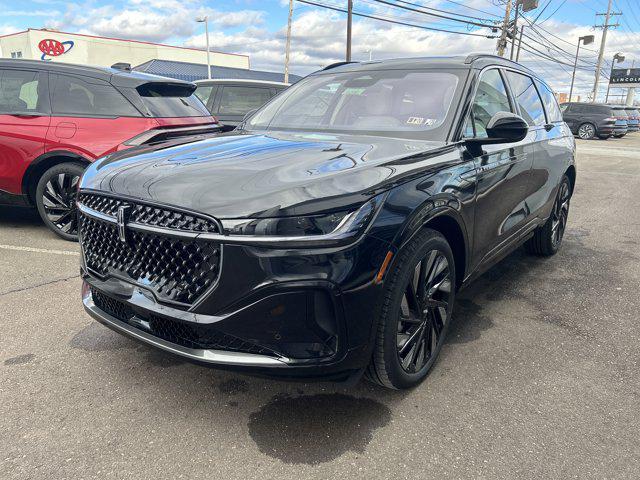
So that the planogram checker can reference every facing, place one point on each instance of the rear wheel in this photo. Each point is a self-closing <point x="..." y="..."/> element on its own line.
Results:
<point x="56" y="199"/>
<point x="586" y="131"/>
<point x="547" y="239"/>
<point x="416" y="312"/>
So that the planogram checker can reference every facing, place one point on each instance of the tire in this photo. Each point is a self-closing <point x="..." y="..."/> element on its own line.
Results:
<point x="55" y="199"/>
<point x="586" y="131"/>
<point x="546" y="240"/>
<point x="405" y="350"/>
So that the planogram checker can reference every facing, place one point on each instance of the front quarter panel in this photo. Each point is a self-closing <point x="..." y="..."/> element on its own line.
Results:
<point x="447" y="190"/>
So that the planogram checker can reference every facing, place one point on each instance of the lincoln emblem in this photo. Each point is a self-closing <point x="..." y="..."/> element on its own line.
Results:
<point x="123" y="216"/>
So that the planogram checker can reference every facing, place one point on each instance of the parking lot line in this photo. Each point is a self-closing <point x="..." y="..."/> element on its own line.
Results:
<point x="38" y="250"/>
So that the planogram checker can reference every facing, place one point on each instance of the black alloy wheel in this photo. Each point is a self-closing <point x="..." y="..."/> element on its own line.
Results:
<point x="424" y="311"/>
<point x="546" y="240"/>
<point x="560" y="214"/>
<point x="416" y="311"/>
<point x="56" y="199"/>
<point x="586" y="131"/>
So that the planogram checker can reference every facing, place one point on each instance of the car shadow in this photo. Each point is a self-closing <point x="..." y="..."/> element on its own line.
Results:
<point x="19" y="217"/>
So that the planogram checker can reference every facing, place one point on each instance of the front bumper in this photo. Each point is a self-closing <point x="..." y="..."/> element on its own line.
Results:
<point x="306" y="313"/>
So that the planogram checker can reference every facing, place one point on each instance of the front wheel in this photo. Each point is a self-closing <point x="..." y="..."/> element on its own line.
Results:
<point x="547" y="239"/>
<point x="416" y="312"/>
<point x="56" y="199"/>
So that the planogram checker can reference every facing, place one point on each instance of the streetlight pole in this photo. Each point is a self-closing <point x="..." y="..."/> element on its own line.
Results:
<point x="205" y="20"/>
<point x="288" y="47"/>
<point x="617" y="58"/>
<point x="586" y="40"/>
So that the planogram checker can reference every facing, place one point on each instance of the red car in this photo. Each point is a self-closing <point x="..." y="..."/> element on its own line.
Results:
<point x="57" y="118"/>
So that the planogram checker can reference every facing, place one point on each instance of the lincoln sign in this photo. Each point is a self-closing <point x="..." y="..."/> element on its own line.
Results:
<point x="625" y="77"/>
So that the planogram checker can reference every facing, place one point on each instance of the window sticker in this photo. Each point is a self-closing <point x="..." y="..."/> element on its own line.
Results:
<point x="421" y="121"/>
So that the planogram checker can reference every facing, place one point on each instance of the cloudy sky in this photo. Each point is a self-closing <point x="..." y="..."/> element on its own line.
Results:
<point x="258" y="27"/>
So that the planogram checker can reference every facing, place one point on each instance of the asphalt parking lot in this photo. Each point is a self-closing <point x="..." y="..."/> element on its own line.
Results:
<point x="540" y="377"/>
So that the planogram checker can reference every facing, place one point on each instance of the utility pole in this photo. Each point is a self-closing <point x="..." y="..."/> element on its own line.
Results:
<point x="349" y="21"/>
<point x="502" y="41"/>
<point x="287" y="51"/>
<point x="515" y="31"/>
<point x="603" y="42"/>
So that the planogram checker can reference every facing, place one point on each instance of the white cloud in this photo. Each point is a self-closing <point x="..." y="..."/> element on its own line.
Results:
<point x="151" y="20"/>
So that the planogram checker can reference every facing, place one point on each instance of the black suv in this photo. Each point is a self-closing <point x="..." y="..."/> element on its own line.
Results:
<point x="328" y="235"/>
<point x="588" y="120"/>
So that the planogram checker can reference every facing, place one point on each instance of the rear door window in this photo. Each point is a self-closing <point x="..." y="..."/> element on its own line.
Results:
<point x="23" y="91"/>
<point x="527" y="98"/>
<point x="491" y="98"/>
<point x="550" y="103"/>
<point x="238" y="100"/>
<point x="90" y="97"/>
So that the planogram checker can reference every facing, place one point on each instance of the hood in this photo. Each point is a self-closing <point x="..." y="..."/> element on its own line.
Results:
<point x="244" y="175"/>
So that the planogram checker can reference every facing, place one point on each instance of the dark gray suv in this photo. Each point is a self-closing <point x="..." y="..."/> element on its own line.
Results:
<point x="588" y="120"/>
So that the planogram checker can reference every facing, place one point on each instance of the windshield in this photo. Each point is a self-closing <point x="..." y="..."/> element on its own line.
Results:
<point x="400" y="103"/>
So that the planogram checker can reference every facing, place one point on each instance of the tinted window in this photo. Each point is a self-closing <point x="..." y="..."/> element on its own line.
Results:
<point x="20" y="91"/>
<point x="88" y="96"/>
<point x="237" y="100"/>
<point x="203" y="92"/>
<point x="527" y="98"/>
<point x="491" y="98"/>
<point x="171" y="100"/>
<point x="550" y="103"/>
<point x="386" y="102"/>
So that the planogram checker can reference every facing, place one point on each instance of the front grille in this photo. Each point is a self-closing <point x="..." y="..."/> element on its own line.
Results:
<point x="152" y="215"/>
<point x="195" y="336"/>
<point x="177" y="270"/>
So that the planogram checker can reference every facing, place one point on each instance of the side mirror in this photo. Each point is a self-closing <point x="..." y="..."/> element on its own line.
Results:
<point x="503" y="127"/>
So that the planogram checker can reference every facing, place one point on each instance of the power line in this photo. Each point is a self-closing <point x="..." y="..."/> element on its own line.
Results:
<point x="421" y="9"/>
<point x="397" y="22"/>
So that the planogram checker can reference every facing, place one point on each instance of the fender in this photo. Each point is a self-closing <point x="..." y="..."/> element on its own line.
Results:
<point x="36" y="167"/>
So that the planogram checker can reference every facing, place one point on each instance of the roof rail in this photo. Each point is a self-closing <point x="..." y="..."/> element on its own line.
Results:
<point x="475" y="56"/>
<point x="337" y="64"/>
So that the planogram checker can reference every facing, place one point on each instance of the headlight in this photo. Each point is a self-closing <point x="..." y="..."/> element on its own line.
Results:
<point x="318" y="230"/>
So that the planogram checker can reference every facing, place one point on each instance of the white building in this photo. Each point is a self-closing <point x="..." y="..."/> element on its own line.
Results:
<point x="56" y="46"/>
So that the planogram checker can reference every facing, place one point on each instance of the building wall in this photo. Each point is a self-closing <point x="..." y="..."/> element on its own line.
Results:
<point x="101" y="51"/>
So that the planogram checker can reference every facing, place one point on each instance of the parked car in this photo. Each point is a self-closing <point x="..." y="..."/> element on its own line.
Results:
<point x="633" y="119"/>
<point x="328" y="235"/>
<point x="231" y="99"/>
<point x="622" y="121"/>
<point x="57" y="118"/>
<point x="588" y="120"/>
